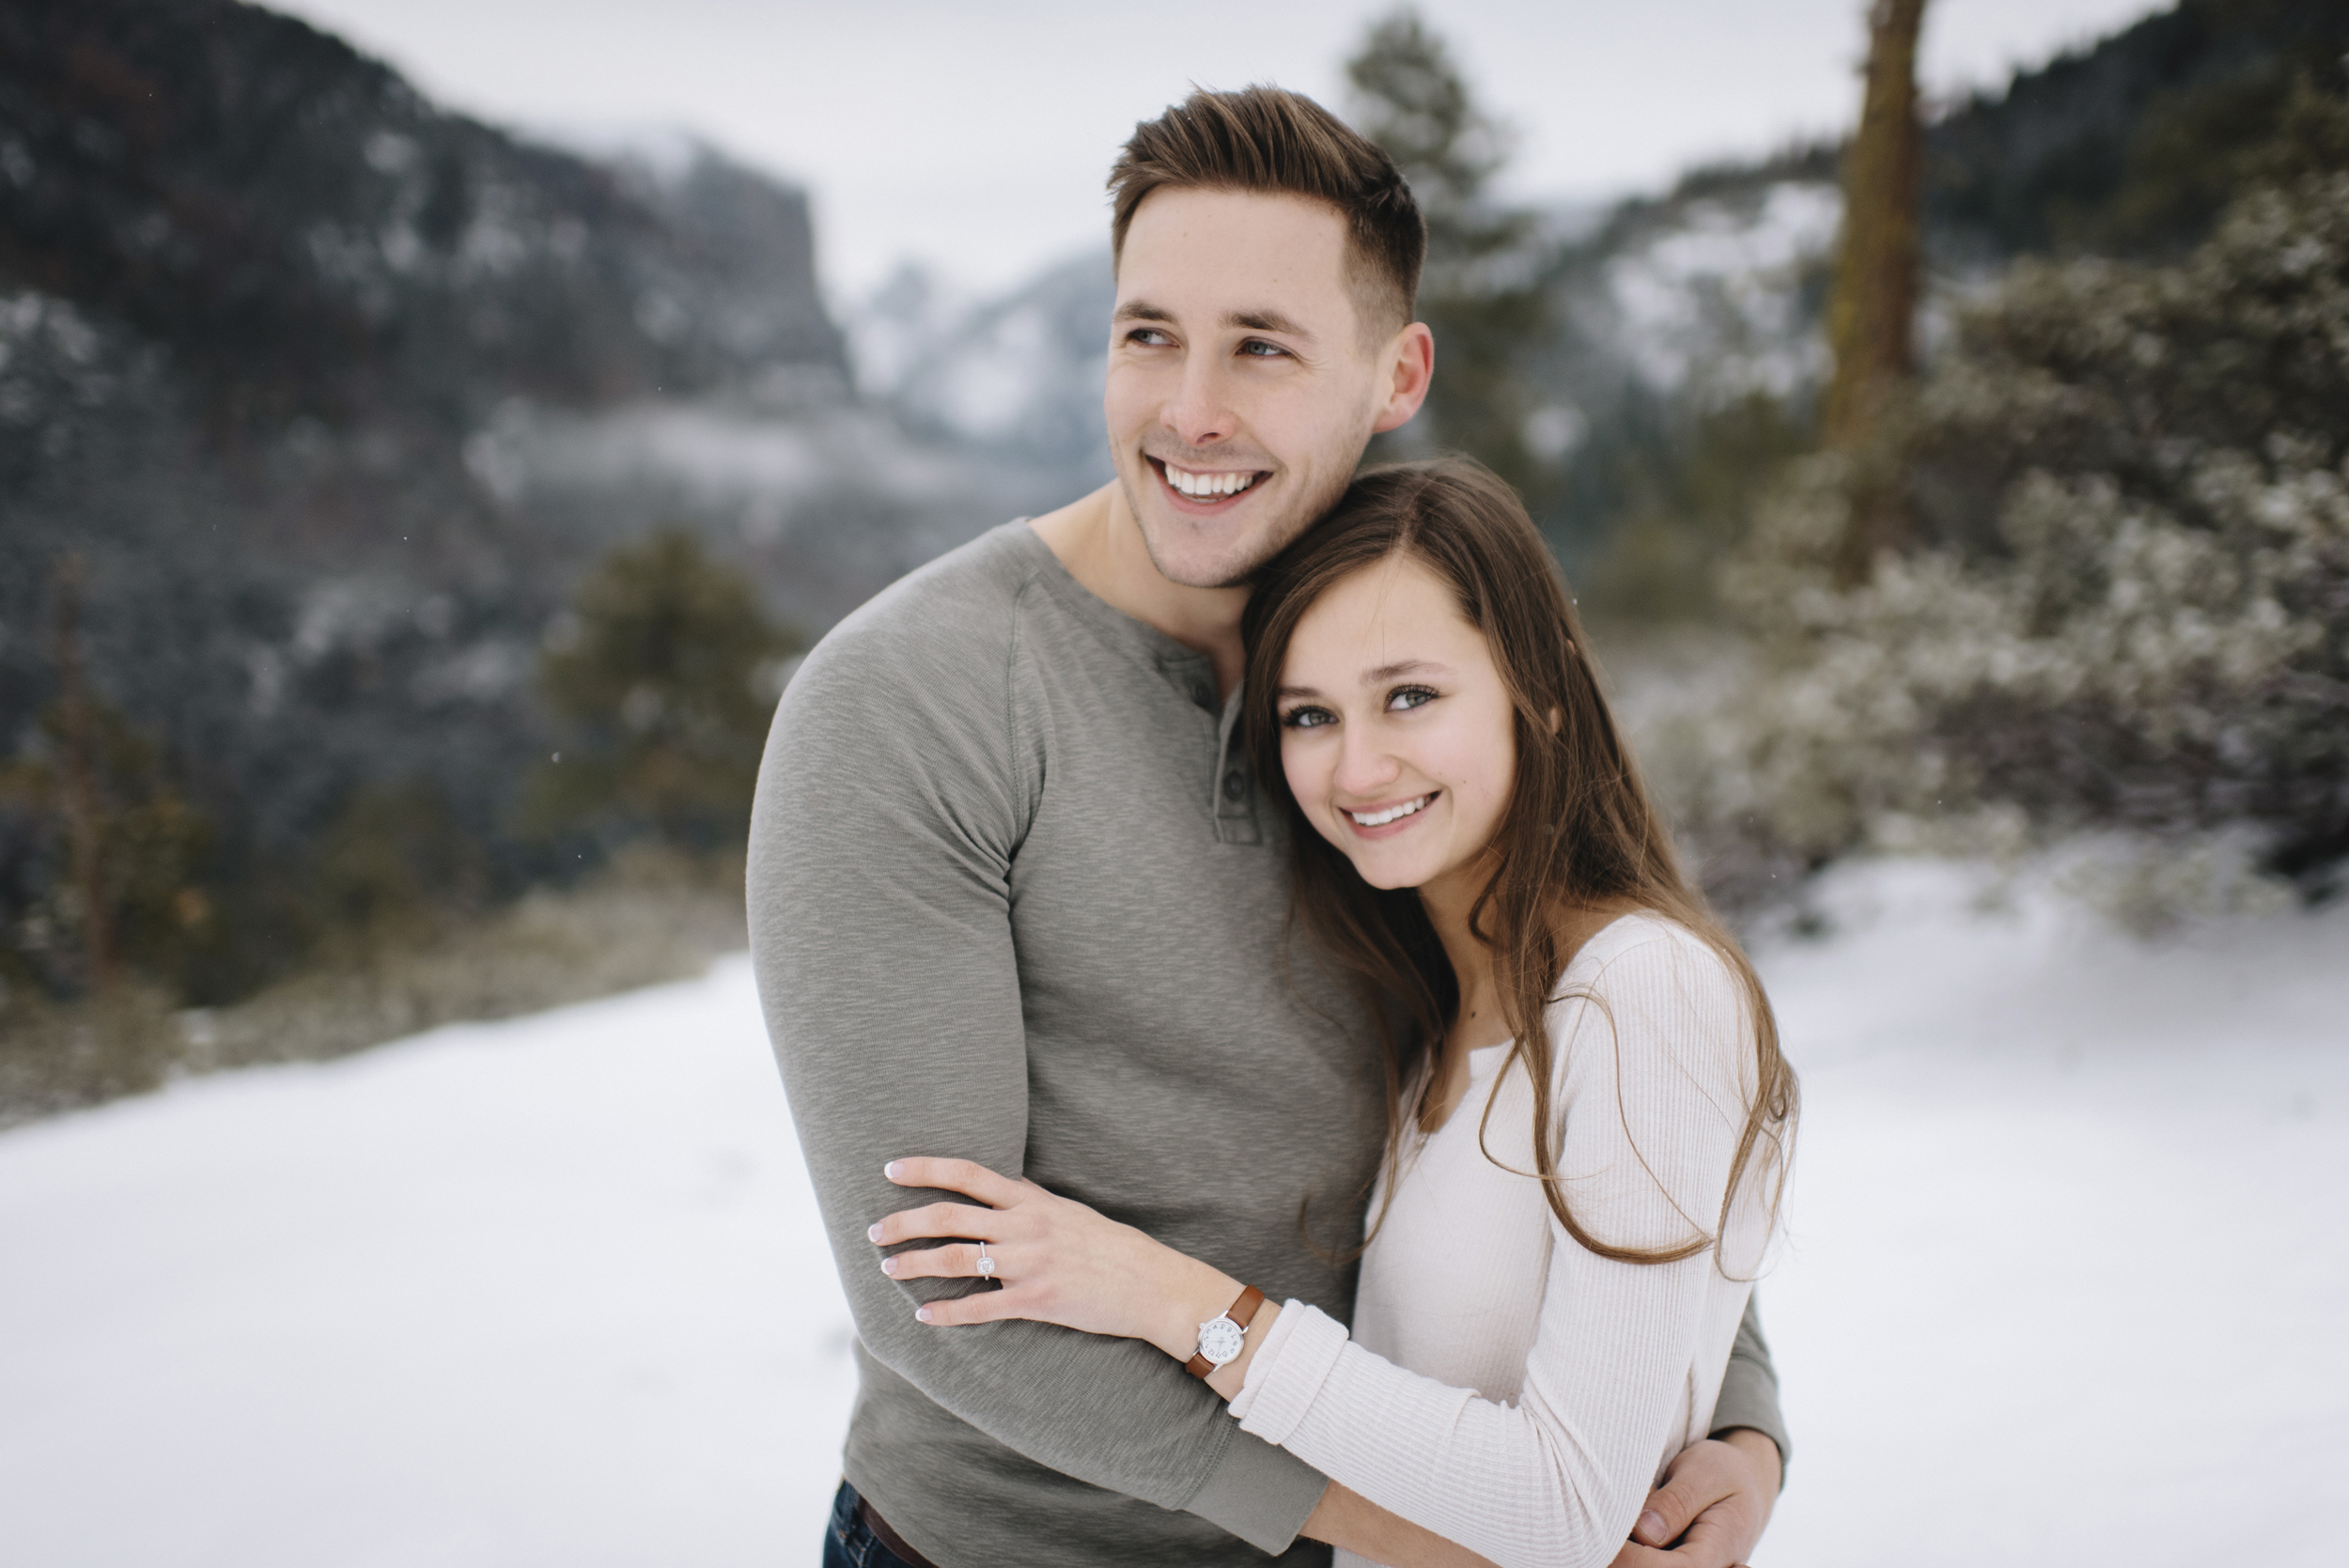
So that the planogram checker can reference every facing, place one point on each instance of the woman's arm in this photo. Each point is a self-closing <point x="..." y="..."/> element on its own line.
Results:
<point x="1653" y="1098"/>
<point x="1059" y="1260"/>
<point x="1056" y="1260"/>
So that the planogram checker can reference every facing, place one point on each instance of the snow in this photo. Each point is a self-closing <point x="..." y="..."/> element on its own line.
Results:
<point x="549" y="1292"/>
<point x="2067" y="1281"/>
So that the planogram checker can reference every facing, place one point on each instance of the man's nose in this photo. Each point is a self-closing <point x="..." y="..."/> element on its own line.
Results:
<point x="1200" y="413"/>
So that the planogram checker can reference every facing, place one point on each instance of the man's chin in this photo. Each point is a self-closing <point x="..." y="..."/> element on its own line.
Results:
<point x="1214" y="553"/>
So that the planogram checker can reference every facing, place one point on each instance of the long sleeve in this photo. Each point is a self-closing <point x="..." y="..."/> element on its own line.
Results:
<point x="1750" y="1389"/>
<point x="896" y="788"/>
<point x="1626" y="1358"/>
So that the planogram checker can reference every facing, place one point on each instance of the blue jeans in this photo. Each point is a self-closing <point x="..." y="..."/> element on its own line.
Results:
<point x="849" y="1542"/>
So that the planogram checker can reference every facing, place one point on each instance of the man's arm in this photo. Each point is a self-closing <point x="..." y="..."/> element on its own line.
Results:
<point x="889" y="806"/>
<point x="1749" y="1397"/>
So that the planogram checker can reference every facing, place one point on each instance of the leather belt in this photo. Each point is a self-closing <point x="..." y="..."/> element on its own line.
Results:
<point x="890" y="1538"/>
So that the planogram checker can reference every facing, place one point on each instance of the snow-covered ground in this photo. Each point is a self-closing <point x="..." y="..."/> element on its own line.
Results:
<point x="2069" y="1283"/>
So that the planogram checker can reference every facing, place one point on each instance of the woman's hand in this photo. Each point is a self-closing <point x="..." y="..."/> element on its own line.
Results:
<point x="1056" y="1259"/>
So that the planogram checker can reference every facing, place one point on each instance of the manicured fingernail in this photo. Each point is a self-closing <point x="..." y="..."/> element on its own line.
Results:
<point x="892" y="1169"/>
<point x="872" y="1232"/>
<point x="889" y="1265"/>
<point x="922" y="1313"/>
<point x="1650" y="1528"/>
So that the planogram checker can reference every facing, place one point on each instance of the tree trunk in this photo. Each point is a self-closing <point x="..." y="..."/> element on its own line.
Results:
<point x="1872" y="313"/>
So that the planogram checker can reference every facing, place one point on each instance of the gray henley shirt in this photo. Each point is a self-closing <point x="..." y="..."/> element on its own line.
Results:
<point x="1014" y="897"/>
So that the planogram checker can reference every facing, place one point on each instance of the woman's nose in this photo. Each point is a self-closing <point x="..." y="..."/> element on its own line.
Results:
<point x="1364" y="767"/>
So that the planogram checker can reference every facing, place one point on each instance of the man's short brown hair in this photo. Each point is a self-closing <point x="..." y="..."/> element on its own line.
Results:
<point x="1270" y="140"/>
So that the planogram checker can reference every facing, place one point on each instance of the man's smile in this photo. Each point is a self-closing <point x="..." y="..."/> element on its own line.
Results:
<point x="1206" y="490"/>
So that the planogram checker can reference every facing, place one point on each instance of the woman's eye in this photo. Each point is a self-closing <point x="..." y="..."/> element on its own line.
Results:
<point x="1307" y="718"/>
<point x="1404" y="698"/>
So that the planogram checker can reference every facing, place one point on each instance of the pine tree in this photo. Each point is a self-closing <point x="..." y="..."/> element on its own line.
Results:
<point x="120" y="855"/>
<point x="663" y="681"/>
<point x="1478" y="292"/>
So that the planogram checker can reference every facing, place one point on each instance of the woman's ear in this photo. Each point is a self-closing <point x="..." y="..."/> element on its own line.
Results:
<point x="1557" y="717"/>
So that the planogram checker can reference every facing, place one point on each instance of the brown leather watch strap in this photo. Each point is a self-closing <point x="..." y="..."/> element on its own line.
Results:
<point x="1242" y="1311"/>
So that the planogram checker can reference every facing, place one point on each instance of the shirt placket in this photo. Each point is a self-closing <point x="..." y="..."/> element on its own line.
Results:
<point x="1234" y="790"/>
<point x="1231" y="790"/>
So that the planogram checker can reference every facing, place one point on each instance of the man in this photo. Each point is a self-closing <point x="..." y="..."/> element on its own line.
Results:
<point x="1014" y="897"/>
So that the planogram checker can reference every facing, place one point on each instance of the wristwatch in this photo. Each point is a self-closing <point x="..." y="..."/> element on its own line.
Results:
<point x="1221" y="1338"/>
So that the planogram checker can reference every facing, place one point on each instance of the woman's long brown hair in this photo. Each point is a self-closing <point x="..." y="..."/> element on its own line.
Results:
<point x="1580" y="833"/>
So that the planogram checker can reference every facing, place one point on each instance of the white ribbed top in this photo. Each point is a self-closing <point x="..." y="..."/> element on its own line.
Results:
<point x="1505" y="1388"/>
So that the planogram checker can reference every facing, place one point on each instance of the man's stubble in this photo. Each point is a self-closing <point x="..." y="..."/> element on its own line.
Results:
<point x="1292" y="525"/>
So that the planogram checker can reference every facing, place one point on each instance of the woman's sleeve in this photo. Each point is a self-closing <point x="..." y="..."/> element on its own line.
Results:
<point x="1653" y="1108"/>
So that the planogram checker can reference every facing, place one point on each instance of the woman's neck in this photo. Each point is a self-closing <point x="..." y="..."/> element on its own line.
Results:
<point x="1449" y="901"/>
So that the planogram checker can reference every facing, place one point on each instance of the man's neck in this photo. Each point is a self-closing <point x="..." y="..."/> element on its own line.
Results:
<point x="1098" y="541"/>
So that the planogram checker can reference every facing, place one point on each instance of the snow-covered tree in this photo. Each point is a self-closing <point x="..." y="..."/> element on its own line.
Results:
<point x="2128" y="605"/>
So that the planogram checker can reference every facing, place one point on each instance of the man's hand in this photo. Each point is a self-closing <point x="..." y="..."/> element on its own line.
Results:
<point x="1711" y="1510"/>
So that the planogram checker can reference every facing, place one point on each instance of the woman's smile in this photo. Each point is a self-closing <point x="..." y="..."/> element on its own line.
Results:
<point x="1387" y="820"/>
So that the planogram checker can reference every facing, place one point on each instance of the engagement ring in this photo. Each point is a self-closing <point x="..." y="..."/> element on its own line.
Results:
<point x="987" y="1265"/>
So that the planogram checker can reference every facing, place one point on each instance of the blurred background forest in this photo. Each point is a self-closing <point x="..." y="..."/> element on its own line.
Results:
<point x="406" y="525"/>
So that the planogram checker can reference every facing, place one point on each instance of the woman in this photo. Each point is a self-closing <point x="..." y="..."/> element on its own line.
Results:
<point x="1590" y="1113"/>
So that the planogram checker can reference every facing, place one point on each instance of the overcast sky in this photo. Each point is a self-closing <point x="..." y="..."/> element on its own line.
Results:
<point x="974" y="136"/>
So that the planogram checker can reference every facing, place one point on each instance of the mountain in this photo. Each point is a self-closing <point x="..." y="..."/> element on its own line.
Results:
<point x="332" y="393"/>
<point x="1017" y="375"/>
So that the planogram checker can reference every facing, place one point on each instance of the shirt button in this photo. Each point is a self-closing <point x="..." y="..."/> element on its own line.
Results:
<point x="1234" y="785"/>
<point x="1201" y="693"/>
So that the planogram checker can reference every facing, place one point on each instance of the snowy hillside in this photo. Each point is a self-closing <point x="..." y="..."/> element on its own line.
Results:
<point x="1015" y="377"/>
<point x="2067" y="1282"/>
<point x="1716" y="296"/>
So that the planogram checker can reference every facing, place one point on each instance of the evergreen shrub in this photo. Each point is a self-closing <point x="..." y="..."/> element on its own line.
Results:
<point x="2122" y="603"/>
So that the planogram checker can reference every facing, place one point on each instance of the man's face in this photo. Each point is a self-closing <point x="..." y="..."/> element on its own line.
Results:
<point x="1241" y="392"/>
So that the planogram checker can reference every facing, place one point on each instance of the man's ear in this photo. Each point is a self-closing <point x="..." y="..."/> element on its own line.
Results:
<point x="1410" y="365"/>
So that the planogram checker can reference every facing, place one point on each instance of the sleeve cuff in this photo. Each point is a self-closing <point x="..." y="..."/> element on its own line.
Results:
<point x="1288" y="1372"/>
<point x="1259" y="1493"/>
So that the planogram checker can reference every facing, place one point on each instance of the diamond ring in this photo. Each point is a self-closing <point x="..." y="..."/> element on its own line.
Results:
<point x="987" y="1265"/>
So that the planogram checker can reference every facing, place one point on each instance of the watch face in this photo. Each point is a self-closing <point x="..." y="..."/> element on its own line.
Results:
<point x="1220" y="1340"/>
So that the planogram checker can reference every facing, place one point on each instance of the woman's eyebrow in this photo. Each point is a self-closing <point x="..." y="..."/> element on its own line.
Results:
<point x="1407" y="667"/>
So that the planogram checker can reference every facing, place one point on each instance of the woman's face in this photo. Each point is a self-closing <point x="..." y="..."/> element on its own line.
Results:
<point x="1397" y="735"/>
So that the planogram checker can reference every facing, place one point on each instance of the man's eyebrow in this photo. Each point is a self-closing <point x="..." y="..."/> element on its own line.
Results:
<point x="1267" y="321"/>
<point x="1142" y="310"/>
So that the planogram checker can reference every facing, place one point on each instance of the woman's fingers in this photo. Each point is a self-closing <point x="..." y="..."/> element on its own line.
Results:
<point x="980" y="1306"/>
<point x="935" y="1219"/>
<point x="956" y="1175"/>
<point x="959" y="1261"/>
